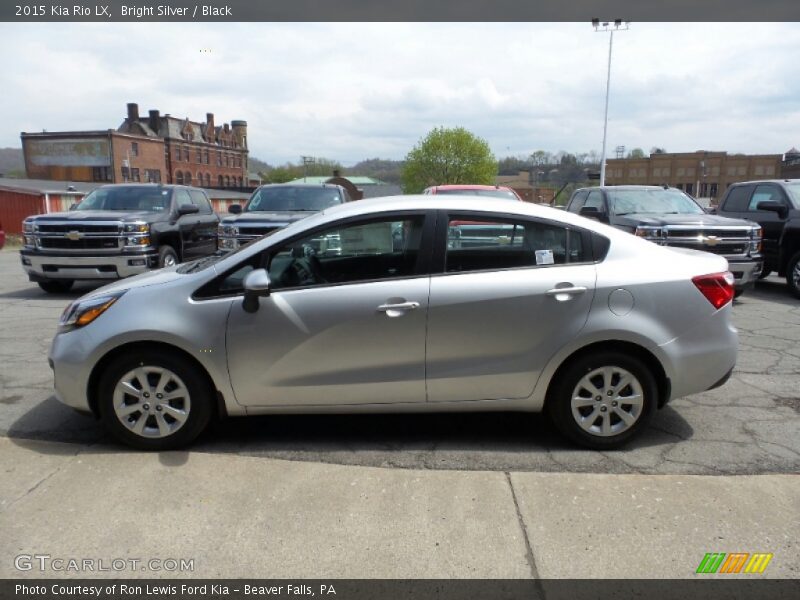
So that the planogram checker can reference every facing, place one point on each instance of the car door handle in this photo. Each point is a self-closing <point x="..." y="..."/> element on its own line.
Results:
<point x="569" y="291"/>
<point x="387" y="308"/>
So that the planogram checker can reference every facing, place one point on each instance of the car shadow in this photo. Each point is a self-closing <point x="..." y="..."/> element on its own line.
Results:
<point x="494" y="441"/>
<point x="36" y="293"/>
<point x="772" y="289"/>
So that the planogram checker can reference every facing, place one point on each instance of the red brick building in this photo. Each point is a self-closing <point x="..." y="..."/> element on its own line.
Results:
<point x="152" y="149"/>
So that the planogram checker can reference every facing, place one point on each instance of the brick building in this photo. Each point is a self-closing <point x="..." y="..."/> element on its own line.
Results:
<point x="156" y="148"/>
<point x="702" y="174"/>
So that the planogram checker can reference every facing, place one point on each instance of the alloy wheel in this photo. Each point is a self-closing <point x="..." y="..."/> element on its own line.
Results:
<point x="607" y="401"/>
<point x="152" y="402"/>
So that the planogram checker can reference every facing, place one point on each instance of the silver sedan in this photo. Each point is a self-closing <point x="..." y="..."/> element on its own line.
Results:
<point x="405" y="304"/>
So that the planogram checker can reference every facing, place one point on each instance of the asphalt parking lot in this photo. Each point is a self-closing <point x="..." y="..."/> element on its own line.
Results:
<point x="749" y="426"/>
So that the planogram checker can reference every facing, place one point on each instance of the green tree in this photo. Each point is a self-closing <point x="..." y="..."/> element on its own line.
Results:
<point x="447" y="156"/>
<point x="636" y="153"/>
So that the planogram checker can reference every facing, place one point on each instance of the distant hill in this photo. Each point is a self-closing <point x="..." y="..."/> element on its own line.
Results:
<point x="385" y="170"/>
<point x="11" y="162"/>
<point x="257" y="166"/>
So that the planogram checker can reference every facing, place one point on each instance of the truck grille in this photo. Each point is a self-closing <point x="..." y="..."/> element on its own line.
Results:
<point x="78" y="236"/>
<point x="726" y="242"/>
<point x="247" y="234"/>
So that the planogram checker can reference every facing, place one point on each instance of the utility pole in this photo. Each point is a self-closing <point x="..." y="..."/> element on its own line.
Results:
<point x="606" y="27"/>
<point x="307" y="160"/>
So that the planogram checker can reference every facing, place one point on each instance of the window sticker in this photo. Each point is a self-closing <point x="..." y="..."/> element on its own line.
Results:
<point x="544" y="257"/>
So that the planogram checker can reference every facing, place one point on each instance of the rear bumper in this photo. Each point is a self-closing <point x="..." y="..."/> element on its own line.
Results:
<point x="43" y="267"/>
<point x="745" y="273"/>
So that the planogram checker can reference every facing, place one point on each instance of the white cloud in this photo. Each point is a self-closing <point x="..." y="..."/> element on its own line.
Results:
<point x="358" y="90"/>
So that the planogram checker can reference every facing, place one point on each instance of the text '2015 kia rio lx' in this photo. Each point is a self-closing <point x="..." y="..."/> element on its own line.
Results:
<point x="379" y="306"/>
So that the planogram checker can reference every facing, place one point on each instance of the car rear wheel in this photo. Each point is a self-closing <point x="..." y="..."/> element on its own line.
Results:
<point x="793" y="275"/>
<point x="56" y="287"/>
<point x="154" y="400"/>
<point x="601" y="401"/>
<point x="167" y="257"/>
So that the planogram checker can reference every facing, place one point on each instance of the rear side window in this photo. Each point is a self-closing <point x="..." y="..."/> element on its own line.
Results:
<point x="738" y="197"/>
<point x="491" y="244"/>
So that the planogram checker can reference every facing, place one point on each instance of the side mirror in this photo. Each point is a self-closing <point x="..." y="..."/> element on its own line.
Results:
<point x="188" y="209"/>
<point x="73" y="206"/>
<point x="256" y="285"/>
<point x="772" y="206"/>
<point x="591" y="212"/>
<point x="235" y="209"/>
<point x="710" y="210"/>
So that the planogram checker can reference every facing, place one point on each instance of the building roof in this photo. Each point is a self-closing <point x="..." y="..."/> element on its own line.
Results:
<point x="47" y="186"/>
<point x="385" y="189"/>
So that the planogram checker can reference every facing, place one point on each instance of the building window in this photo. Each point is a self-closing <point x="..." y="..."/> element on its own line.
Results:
<point x="679" y="186"/>
<point x="178" y="177"/>
<point x="741" y="170"/>
<point x="769" y="170"/>
<point x="219" y="181"/>
<point x="731" y="171"/>
<point x="688" y="188"/>
<point x="177" y="153"/>
<point x="681" y="171"/>
<point x="135" y="174"/>
<point x="712" y="192"/>
<point x="152" y="176"/>
<point x="240" y="182"/>
<point x="205" y="156"/>
<point x="187" y="178"/>
<point x="219" y="158"/>
<point x="208" y="180"/>
<point x="134" y="149"/>
<point x="101" y="174"/>
<point x="227" y="181"/>
<point x="759" y="170"/>
<point x="199" y="178"/>
<point x="126" y="174"/>
<point x="186" y="153"/>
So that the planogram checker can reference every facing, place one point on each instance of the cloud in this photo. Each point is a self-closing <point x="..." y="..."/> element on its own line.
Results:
<point x="349" y="91"/>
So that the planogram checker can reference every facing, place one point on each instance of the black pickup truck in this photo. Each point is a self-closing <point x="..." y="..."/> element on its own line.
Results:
<point x="117" y="231"/>
<point x="274" y="206"/>
<point x="775" y="205"/>
<point x="669" y="217"/>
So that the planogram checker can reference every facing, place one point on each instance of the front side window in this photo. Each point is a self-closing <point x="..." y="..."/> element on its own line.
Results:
<point x="200" y="200"/>
<point x="491" y="244"/>
<point x="765" y="193"/>
<point x="355" y="252"/>
<point x="595" y="200"/>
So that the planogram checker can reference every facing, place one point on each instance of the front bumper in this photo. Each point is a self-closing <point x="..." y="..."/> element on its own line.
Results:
<point x="745" y="272"/>
<point x="44" y="267"/>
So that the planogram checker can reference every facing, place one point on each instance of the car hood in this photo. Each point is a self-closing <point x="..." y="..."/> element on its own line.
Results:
<point x="157" y="277"/>
<point x="257" y="217"/>
<point x="699" y="220"/>
<point x="97" y="215"/>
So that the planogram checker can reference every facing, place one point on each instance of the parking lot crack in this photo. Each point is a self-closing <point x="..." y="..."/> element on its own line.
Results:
<point x="528" y="546"/>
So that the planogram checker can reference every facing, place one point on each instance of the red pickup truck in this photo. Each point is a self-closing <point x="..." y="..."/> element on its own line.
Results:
<point x="474" y="190"/>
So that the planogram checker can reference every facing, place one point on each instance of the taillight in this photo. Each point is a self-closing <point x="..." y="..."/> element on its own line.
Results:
<point x="717" y="287"/>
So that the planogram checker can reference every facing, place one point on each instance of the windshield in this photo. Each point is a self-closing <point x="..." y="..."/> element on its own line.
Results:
<point x="658" y="201"/>
<point x="495" y="193"/>
<point x="310" y="198"/>
<point x="794" y="190"/>
<point x="127" y="198"/>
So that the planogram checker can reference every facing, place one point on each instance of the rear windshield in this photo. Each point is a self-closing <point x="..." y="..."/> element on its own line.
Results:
<point x="660" y="201"/>
<point x="495" y="193"/>
<point x="300" y="198"/>
<point x="127" y="198"/>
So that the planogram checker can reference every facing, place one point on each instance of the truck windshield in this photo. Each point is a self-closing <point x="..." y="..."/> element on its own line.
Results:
<point x="496" y="193"/>
<point x="659" y="201"/>
<point x="127" y="198"/>
<point x="288" y="198"/>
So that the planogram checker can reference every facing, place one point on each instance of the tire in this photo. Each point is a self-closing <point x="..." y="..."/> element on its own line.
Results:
<point x="793" y="275"/>
<point x="142" y="420"/>
<point x="167" y="257"/>
<point x="56" y="286"/>
<point x="574" y="381"/>
<point x="737" y="293"/>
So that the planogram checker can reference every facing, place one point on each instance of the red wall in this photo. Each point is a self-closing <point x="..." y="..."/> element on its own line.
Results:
<point x="14" y="207"/>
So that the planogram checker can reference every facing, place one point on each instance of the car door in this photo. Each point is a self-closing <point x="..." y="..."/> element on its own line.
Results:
<point x="207" y="221"/>
<point x="500" y="310"/>
<point x="772" y="223"/>
<point x="188" y="227"/>
<point x="344" y="323"/>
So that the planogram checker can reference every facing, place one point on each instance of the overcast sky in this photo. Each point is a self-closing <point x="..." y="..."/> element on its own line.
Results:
<point x="353" y="91"/>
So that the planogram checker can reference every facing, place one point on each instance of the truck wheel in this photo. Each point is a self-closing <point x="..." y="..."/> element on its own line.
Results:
<point x="154" y="400"/>
<point x="56" y="286"/>
<point x="167" y="257"/>
<point x="602" y="400"/>
<point x="793" y="275"/>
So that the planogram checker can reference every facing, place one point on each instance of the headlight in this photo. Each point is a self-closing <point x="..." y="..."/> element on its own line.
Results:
<point x="227" y="230"/>
<point x="28" y="227"/>
<point x="652" y="234"/>
<point x="137" y="234"/>
<point x="82" y="312"/>
<point x="228" y="243"/>
<point x="137" y="228"/>
<point x="756" y="238"/>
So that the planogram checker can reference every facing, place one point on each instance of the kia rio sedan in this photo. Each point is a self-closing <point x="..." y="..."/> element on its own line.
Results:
<point x="377" y="306"/>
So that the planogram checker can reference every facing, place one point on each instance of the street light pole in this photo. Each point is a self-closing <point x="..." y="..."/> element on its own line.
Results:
<point x="618" y="26"/>
<point x="307" y="160"/>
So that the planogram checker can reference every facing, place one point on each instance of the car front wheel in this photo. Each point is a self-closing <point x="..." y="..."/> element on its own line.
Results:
<point x="601" y="401"/>
<point x="152" y="400"/>
<point x="793" y="275"/>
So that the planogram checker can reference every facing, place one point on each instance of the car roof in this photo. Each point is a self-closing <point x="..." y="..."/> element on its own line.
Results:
<point x="299" y="185"/>
<point x="625" y="187"/>
<point x="467" y="186"/>
<point x="766" y="181"/>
